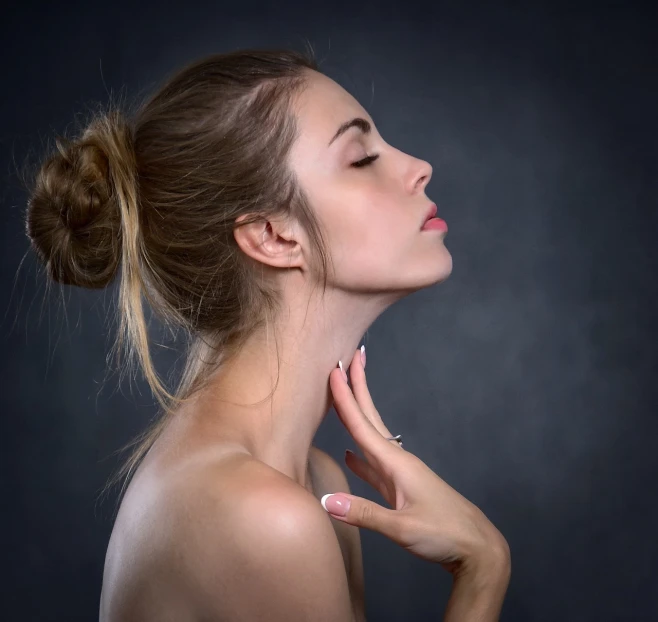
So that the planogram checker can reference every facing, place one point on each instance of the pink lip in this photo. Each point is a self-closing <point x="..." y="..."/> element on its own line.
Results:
<point x="431" y="213"/>
<point x="437" y="224"/>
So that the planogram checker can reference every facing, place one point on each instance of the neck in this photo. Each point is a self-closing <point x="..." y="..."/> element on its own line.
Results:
<point x="279" y="431"/>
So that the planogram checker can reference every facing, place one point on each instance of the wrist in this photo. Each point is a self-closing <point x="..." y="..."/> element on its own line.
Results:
<point x="478" y="592"/>
<point x="490" y="570"/>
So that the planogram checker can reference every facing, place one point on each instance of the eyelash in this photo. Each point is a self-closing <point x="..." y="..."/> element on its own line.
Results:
<point x="365" y="161"/>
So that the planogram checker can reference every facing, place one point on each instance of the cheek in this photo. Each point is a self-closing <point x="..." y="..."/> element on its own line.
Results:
<point x="372" y="238"/>
<point x="385" y="225"/>
<point x="369" y="222"/>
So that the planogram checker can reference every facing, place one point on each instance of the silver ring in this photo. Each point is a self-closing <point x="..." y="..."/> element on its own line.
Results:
<point x="396" y="438"/>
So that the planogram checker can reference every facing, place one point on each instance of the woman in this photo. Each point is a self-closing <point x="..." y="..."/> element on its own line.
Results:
<point x="226" y="199"/>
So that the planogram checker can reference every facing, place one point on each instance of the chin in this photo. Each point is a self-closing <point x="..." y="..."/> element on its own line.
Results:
<point x="442" y="270"/>
<point x="428" y="279"/>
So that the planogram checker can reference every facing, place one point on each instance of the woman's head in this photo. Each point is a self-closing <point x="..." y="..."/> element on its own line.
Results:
<point x="176" y="195"/>
<point x="368" y="196"/>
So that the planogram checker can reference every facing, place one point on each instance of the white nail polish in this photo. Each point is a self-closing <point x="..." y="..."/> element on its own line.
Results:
<point x="323" y="498"/>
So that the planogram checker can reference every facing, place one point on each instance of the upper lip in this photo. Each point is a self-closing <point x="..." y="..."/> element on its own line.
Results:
<point x="431" y="212"/>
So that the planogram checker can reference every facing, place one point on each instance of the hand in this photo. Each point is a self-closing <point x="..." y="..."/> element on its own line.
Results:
<point x="429" y="518"/>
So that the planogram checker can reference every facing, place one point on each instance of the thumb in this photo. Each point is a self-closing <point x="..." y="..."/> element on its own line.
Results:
<point x="360" y="512"/>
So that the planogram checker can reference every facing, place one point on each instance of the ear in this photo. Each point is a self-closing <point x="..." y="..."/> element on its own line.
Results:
<point x="272" y="241"/>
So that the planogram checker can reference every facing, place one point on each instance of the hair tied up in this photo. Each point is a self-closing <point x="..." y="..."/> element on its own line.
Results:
<point x="159" y="200"/>
<point x="74" y="218"/>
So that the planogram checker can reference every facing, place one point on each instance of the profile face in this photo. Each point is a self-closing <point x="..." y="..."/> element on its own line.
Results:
<point x="372" y="214"/>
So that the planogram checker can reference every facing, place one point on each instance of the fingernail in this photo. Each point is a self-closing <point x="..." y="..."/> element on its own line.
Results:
<point x="363" y="356"/>
<point x="340" y="364"/>
<point x="336" y="504"/>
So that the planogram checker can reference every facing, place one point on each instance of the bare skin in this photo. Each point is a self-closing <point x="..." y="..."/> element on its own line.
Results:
<point x="181" y="461"/>
<point x="372" y="217"/>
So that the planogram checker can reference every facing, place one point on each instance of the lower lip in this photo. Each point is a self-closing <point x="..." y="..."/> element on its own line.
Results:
<point x="437" y="224"/>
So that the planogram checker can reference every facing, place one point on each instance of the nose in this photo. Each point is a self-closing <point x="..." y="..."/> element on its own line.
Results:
<point x="422" y="173"/>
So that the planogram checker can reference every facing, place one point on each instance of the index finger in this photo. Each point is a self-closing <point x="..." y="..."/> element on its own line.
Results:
<point x="367" y="437"/>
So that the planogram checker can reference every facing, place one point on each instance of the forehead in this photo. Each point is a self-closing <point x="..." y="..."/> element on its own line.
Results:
<point x="321" y="108"/>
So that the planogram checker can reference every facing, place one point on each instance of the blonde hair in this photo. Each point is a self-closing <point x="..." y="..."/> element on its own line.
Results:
<point x="155" y="195"/>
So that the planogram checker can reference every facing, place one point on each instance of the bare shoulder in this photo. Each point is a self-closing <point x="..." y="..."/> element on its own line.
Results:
<point x="252" y="545"/>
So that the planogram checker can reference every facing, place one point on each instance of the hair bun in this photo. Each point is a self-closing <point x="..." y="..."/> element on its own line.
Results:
<point x="73" y="216"/>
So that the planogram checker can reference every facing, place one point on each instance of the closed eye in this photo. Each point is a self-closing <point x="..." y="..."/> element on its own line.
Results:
<point x="365" y="161"/>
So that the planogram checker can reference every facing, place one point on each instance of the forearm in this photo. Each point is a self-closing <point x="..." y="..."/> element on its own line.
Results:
<point x="478" y="597"/>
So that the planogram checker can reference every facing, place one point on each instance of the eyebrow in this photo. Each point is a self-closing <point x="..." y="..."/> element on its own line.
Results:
<point x="362" y="124"/>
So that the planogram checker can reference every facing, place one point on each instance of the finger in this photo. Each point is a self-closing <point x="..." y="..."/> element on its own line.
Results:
<point x="367" y="437"/>
<point x="363" y="397"/>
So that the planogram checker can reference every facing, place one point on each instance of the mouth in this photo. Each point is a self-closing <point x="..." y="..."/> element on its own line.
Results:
<point x="431" y="213"/>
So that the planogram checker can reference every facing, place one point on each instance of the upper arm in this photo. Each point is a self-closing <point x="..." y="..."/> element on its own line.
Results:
<point x="272" y="555"/>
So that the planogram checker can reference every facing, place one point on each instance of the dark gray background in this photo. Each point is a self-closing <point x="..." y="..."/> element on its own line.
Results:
<point x="526" y="380"/>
